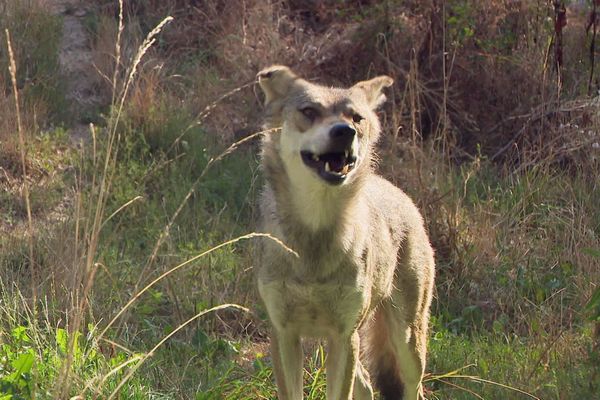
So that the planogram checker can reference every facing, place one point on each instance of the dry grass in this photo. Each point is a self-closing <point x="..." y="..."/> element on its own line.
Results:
<point x="25" y="68"/>
<point x="10" y="155"/>
<point x="22" y="151"/>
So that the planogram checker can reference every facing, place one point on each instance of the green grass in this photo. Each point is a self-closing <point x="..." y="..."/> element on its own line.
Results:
<point x="34" y="354"/>
<point x="537" y="365"/>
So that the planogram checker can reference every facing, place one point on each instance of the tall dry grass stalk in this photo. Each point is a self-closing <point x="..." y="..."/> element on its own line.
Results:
<point x="13" y="76"/>
<point x="100" y="191"/>
<point x="117" y="53"/>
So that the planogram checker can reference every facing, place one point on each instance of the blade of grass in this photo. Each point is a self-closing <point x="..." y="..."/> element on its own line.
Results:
<point x="118" y="210"/>
<point x="207" y="110"/>
<point x="163" y="340"/>
<point x="320" y="356"/>
<point x="430" y="377"/>
<point x="12" y="68"/>
<point x="487" y="381"/>
<point x="454" y="385"/>
<point x="97" y="383"/>
<point x="183" y="264"/>
<point x="165" y="232"/>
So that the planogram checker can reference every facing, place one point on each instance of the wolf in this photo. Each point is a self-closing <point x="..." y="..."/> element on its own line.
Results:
<point x="363" y="280"/>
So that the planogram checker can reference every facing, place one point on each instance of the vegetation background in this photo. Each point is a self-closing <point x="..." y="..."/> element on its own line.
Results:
<point x="125" y="206"/>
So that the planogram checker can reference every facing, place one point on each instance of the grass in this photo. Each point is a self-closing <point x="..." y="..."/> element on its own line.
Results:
<point x="36" y="48"/>
<point x="32" y="356"/>
<point x="157" y="191"/>
<point x="536" y="365"/>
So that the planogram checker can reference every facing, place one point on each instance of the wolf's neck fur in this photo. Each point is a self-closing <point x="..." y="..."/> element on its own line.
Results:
<point x="320" y="206"/>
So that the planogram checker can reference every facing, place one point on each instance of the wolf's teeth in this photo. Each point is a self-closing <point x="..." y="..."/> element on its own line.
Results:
<point x="315" y="157"/>
<point x="327" y="167"/>
<point x="345" y="170"/>
<point x="346" y="153"/>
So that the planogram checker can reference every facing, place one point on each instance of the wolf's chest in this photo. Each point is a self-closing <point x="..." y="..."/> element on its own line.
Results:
<point x="314" y="309"/>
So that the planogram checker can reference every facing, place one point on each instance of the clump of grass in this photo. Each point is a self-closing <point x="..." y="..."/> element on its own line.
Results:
<point x="33" y="352"/>
<point x="503" y="366"/>
<point x="36" y="38"/>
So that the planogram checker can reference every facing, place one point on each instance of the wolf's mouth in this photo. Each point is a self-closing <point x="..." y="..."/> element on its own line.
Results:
<point x="332" y="167"/>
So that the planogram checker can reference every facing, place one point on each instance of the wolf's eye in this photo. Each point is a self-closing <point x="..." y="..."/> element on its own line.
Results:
<point x="309" y="113"/>
<point x="357" y="118"/>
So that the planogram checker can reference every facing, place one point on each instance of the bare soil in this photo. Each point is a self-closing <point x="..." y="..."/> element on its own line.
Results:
<point x="76" y="64"/>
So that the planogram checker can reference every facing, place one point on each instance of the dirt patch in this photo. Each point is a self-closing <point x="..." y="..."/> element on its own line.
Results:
<point x="76" y="65"/>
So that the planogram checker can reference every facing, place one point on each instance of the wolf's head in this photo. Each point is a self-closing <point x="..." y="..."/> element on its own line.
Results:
<point x="327" y="133"/>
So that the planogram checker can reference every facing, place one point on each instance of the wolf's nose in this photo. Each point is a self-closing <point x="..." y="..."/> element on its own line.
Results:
<point x="342" y="133"/>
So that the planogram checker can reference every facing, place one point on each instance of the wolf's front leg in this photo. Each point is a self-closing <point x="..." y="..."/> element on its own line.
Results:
<point x="342" y="362"/>
<point x="286" y="351"/>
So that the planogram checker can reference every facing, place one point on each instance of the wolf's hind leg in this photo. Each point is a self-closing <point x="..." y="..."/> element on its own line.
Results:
<point x="362" y="385"/>
<point x="408" y="345"/>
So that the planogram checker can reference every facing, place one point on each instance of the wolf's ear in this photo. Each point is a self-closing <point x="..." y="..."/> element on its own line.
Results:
<point x="373" y="89"/>
<point x="276" y="81"/>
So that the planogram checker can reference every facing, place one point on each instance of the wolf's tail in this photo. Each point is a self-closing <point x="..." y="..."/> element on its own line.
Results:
<point x="387" y="381"/>
<point x="393" y="354"/>
<point x="380" y="357"/>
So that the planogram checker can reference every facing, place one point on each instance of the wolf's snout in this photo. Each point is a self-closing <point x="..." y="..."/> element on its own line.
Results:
<point x="342" y="135"/>
<point x="338" y="159"/>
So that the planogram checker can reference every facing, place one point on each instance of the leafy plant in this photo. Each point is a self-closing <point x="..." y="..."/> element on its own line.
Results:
<point x="16" y="365"/>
